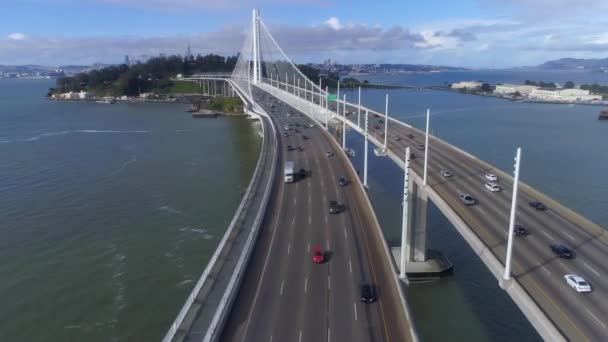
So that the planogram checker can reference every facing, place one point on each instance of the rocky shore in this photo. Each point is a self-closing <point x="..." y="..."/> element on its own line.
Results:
<point x="603" y="115"/>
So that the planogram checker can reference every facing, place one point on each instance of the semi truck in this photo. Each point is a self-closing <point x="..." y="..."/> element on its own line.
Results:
<point x="289" y="171"/>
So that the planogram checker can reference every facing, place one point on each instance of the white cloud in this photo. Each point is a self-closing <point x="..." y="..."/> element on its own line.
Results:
<point x="334" y="23"/>
<point x="17" y="36"/>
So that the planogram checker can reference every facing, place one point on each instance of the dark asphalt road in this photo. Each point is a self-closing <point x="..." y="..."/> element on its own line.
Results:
<point x="284" y="295"/>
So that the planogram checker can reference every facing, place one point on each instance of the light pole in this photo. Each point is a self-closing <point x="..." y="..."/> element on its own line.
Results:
<point x="326" y="108"/>
<point x="359" y="110"/>
<point x="426" y="144"/>
<point x="385" y="122"/>
<point x="344" y="123"/>
<point x="507" y="274"/>
<point x="365" y="152"/>
<point x="406" y="176"/>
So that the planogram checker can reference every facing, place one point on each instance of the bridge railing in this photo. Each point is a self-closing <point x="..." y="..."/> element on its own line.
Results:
<point x="210" y="75"/>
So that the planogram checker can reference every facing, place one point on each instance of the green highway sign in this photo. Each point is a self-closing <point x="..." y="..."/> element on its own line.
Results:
<point x="332" y="97"/>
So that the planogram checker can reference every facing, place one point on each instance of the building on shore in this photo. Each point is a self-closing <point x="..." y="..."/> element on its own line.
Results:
<point x="466" y="85"/>
<point x="85" y="95"/>
<point x="564" y="95"/>
<point x="506" y="89"/>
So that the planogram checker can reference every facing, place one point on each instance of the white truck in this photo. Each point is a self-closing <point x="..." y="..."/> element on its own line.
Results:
<point x="289" y="171"/>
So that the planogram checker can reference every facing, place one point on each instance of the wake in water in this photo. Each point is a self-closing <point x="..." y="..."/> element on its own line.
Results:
<point x="124" y="165"/>
<point x="81" y="131"/>
<point x="170" y="210"/>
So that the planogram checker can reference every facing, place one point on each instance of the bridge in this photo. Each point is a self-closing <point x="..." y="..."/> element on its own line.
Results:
<point x="275" y="292"/>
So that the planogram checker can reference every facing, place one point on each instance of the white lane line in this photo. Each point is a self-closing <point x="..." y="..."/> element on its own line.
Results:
<point x="327" y="244"/>
<point x="305" y="284"/>
<point x="293" y="219"/>
<point x="328" y="334"/>
<point x="592" y="270"/>
<point x="308" y="248"/>
<point x="270" y="338"/>
<point x="596" y="319"/>
<point x="309" y="199"/>
<point x="309" y="219"/>
<point x="325" y="219"/>
<point x="345" y="234"/>
<point x="329" y="283"/>
<point x="350" y="266"/>
<point x="282" y="284"/>
<point x="549" y="236"/>
<point x="546" y="270"/>
<point x="288" y="248"/>
<point x="300" y="338"/>
<point x="569" y="236"/>
<point x="355" y="306"/>
<point x="294" y="201"/>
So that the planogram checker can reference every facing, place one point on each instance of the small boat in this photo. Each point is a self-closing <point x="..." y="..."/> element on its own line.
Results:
<point x="106" y="100"/>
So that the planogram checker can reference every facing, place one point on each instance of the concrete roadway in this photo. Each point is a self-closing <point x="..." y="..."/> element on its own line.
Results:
<point x="580" y="317"/>
<point x="285" y="296"/>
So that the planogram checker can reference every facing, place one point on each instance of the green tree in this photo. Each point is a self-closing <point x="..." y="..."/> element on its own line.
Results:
<point x="569" y="85"/>
<point x="486" y="87"/>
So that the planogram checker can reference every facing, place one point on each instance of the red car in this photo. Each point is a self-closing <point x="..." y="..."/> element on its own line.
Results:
<point x="318" y="257"/>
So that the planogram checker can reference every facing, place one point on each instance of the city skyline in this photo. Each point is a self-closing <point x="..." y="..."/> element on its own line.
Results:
<point x="472" y="34"/>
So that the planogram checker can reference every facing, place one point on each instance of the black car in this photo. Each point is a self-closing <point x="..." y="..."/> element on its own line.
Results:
<point x="520" y="230"/>
<point x="562" y="251"/>
<point x="302" y="173"/>
<point x="411" y="136"/>
<point x="335" y="207"/>
<point x="537" y="205"/>
<point x="342" y="181"/>
<point x="289" y="148"/>
<point x="304" y="137"/>
<point x="368" y="293"/>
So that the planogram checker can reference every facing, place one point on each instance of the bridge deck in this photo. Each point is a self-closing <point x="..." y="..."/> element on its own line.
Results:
<point x="285" y="296"/>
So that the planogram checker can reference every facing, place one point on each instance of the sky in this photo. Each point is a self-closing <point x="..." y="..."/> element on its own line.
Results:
<point x="466" y="33"/>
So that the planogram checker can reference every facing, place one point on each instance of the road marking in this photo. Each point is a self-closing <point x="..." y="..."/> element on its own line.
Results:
<point x="350" y="266"/>
<point x="326" y="219"/>
<point x="328" y="334"/>
<point x="288" y="248"/>
<point x="592" y="270"/>
<point x="282" y="283"/>
<point x="546" y="270"/>
<point x="596" y="319"/>
<point x="300" y="338"/>
<point x="295" y="201"/>
<point x="270" y="338"/>
<point x="305" y="284"/>
<point x="570" y="236"/>
<point x="308" y="248"/>
<point x="355" y="306"/>
<point x="345" y="234"/>
<point x="293" y="219"/>
<point x="549" y="236"/>
<point x="309" y="219"/>
<point x="329" y="283"/>
<point x="327" y="244"/>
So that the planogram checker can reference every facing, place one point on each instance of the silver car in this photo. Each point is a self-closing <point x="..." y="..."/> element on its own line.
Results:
<point x="467" y="199"/>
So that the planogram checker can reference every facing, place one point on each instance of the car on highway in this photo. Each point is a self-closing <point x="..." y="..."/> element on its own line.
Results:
<point x="335" y="207"/>
<point x="520" y="230"/>
<point x="491" y="177"/>
<point x="493" y="187"/>
<point x="304" y="137"/>
<point x="577" y="282"/>
<point x="289" y="148"/>
<point x="329" y="153"/>
<point x="287" y="128"/>
<point x="397" y="138"/>
<point x="381" y="121"/>
<point x="311" y="125"/>
<point x="420" y="147"/>
<point x="444" y="173"/>
<point x="410" y="135"/>
<point x="288" y="115"/>
<point x="318" y="257"/>
<point x="285" y="134"/>
<point x="562" y="251"/>
<point x="302" y="173"/>
<point x="537" y="205"/>
<point x="343" y="181"/>
<point x="368" y="293"/>
<point x="467" y="199"/>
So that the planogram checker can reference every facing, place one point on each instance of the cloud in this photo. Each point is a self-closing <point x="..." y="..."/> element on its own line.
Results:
<point x="16" y="36"/>
<point x="181" y="5"/>
<point x="334" y="23"/>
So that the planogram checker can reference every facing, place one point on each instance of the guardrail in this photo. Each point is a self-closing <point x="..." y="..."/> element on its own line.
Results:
<point x="202" y="279"/>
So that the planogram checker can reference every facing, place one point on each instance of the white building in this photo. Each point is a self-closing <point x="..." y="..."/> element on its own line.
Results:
<point x="466" y="85"/>
<point x="83" y="95"/>
<point x="565" y="95"/>
<point x="514" y="88"/>
<point x="69" y="96"/>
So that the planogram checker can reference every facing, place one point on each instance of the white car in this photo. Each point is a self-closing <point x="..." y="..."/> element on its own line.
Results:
<point x="311" y="125"/>
<point x="492" y="187"/>
<point x="491" y="177"/>
<point x="577" y="283"/>
<point x="329" y="153"/>
<point x="446" y="173"/>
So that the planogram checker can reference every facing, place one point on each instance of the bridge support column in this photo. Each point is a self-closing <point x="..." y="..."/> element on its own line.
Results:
<point x="415" y="248"/>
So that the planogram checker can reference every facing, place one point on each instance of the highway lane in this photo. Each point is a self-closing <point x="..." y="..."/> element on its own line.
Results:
<point x="579" y="316"/>
<point x="285" y="297"/>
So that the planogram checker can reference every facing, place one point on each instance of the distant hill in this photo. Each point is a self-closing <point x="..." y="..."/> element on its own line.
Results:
<point x="575" y="63"/>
